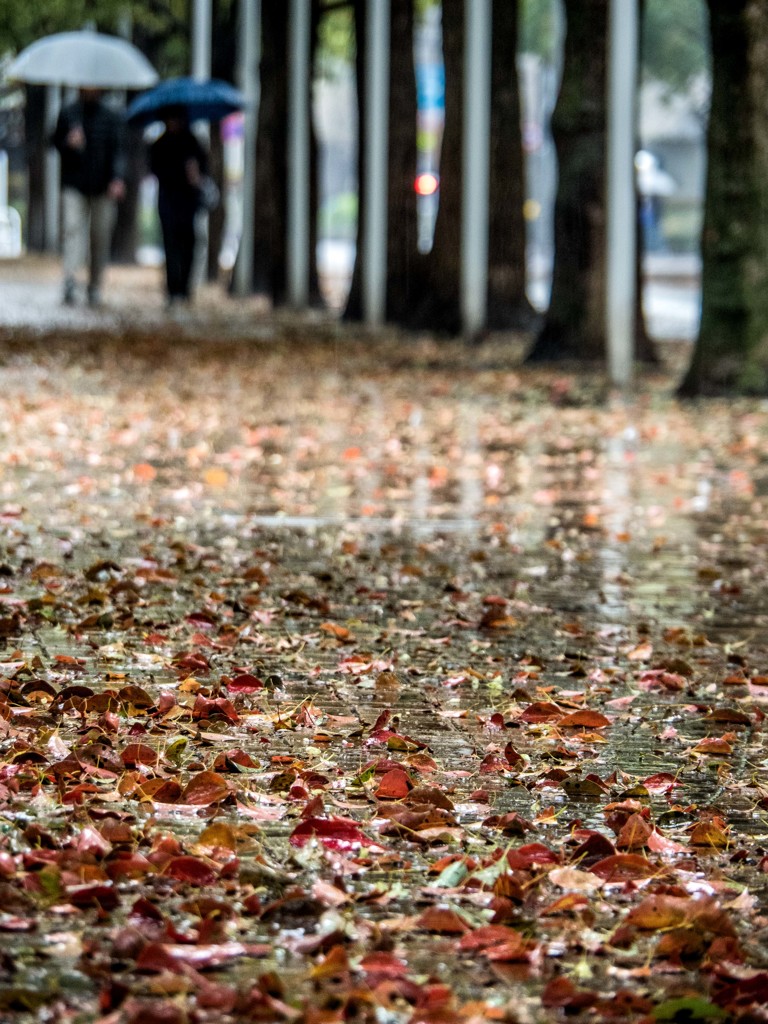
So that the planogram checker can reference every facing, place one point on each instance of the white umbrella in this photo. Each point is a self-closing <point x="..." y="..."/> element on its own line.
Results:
<point x="84" y="59"/>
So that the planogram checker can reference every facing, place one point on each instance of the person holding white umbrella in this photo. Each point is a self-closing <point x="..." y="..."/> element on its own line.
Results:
<point x="89" y="137"/>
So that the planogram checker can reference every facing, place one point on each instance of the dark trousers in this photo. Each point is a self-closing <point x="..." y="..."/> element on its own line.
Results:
<point x="178" y="224"/>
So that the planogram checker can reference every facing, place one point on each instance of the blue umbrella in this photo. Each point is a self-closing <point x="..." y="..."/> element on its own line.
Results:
<point x="203" y="101"/>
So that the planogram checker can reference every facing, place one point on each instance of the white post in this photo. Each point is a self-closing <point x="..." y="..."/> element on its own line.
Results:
<point x="475" y="165"/>
<point x="248" y="80"/>
<point x="620" y="201"/>
<point x="3" y="179"/>
<point x="201" y="39"/>
<point x="201" y="70"/>
<point x="51" y="181"/>
<point x="298" y="154"/>
<point x="377" y="145"/>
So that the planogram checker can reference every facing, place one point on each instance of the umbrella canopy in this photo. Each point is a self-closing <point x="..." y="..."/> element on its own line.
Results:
<point x="83" y="59"/>
<point x="203" y="101"/>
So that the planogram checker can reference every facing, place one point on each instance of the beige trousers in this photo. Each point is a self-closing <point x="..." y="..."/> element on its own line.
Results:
<point x="87" y="223"/>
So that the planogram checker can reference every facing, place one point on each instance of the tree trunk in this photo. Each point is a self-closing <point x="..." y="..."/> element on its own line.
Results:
<point x="315" y="295"/>
<point x="125" y="240"/>
<point x="404" y="262"/>
<point x="440" y="305"/>
<point x="36" y="139"/>
<point x="508" y="305"/>
<point x="574" y="327"/>
<point x="354" y="307"/>
<point x="645" y="350"/>
<point x="270" y="216"/>
<point x="731" y="351"/>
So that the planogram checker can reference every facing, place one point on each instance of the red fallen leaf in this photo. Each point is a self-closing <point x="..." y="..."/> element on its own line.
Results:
<point x="511" y="824"/>
<point x="730" y="715"/>
<point x="67" y="659"/>
<point x="191" y="663"/>
<point x="125" y="864"/>
<point x="657" y="843"/>
<point x="77" y="794"/>
<point x="102" y="896"/>
<point x="593" y="848"/>
<point x="228" y="760"/>
<point x="205" y="707"/>
<point x="192" y="870"/>
<point x="635" y="833"/>
<point x="624" y="867"/>
<point x="384" y="965"/>
<point x="382" y="721"/>
<point x="245" y="683"/>
<point x="561" y="992"/>
<point x="540" y="711"/>
<point x="713" y="745"/>
<point x="531" y="854"/>
<point x="138" y="753"/>
<point x="662" y="782"/>
<point x="166" y="956"/>
<point x="339" y="632"/>
<point x="135" y="695"/>
<point x="664" y="912"/>
<point x="618" y="813"/>
<point x="642" y="652"/>
<point x="204" y="789"/>
<point x="493" y="763"/>
<point x="334" y="964"/>
<point x="571" y="901"/>
<point x="394" y="785"/>
<point x="430" y="795"/>
<point x="161" y="791"/>
<point x="512" y="755"/>
<point x="485" y="936"/>
<point x="584" y="719"/>
<point x="709" y="833"/>
<point x="335" y="833"/>
<point x="442" y="920"/>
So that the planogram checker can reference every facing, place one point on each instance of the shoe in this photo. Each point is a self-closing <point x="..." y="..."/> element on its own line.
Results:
<point x="94" y="298"/>
<point x="69" y="292"/>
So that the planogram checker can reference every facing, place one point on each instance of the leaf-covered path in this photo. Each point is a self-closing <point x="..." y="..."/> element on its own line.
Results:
<point x="345" y="681"/>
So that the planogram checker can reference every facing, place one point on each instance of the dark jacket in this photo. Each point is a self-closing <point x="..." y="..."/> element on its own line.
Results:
<point x="168" y="158"/>
<point x="90" y="170"/>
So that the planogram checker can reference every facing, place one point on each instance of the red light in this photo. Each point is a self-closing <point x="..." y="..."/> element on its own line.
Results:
<point x="426" y="184"/>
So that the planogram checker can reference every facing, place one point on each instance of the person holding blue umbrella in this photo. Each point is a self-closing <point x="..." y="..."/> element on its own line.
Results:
<point x="180" y="165"/>
<point x="179" y="162"/>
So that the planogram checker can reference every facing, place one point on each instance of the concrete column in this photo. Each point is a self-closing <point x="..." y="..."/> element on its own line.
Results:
<point x="249" y="46"/>
<point x="621" y="211"/>
<point x="298" y="154"/>
<point x="377" y="146"/>
<point x="475" y="165"/>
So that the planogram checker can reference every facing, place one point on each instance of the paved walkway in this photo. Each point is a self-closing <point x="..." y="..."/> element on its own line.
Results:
<point x="30" y="297"/>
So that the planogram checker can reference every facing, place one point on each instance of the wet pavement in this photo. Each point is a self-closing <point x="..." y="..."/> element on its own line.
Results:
<point x="277" y="567"/>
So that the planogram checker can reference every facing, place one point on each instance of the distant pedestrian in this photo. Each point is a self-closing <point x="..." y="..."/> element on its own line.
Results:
<point x="179" y="162"/>
<point x="90" y="138"/>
